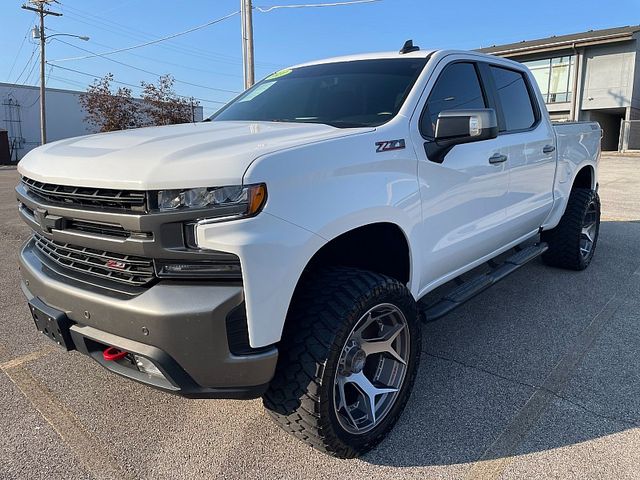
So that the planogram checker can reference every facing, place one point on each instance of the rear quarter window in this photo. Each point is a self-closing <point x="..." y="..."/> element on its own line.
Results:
<point x="515" y="99"/>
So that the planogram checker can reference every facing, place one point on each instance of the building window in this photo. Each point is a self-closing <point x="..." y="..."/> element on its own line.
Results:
<point x="554" y="77"/>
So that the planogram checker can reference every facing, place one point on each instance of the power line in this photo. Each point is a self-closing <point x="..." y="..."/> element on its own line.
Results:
<point x="199" y="27"/>
<point x="212" y="72"/>
<point x="15" y="60"/>
<point x="137" y="34"/>
<point x="35" y="62"/>
<point x="53" y="62"/>
<point x="95" y="77"/>
<point x="33" y="70"/>
<point x="124" y="83"/>
<point x="166" y="46"/>
<point x="122" y="32"/>
<point x="33" y="52"/>
<point x="45" y="82"/>
<point x="313" y="5"/>
<point x="67" y="81"/>
<point x="120" y="5"/>
<point x="113" y="27"/>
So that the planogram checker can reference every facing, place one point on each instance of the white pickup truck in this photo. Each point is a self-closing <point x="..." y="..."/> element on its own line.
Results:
<point x="285" y="248"/>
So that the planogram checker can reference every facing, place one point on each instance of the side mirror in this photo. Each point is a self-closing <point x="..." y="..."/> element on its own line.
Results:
<point x="455" y="127"/>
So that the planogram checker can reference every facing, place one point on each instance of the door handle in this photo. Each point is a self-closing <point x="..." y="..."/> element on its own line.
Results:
<point x="497" y="158"/>
<point x="548" y="149"/>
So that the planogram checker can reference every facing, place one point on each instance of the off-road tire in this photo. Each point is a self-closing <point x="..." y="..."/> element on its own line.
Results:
<point x="564" y="240"/>
<point x="325" y="309"/>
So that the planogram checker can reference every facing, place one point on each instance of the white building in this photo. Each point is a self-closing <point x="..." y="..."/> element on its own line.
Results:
<point x="20" y="116"/>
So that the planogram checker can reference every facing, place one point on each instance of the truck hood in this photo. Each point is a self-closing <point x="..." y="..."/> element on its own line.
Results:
<point x="176" y="156"/>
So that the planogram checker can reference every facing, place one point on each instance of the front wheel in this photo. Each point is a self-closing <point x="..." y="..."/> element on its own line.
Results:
<point x="348" y="360"/>
<point x="573" y="242"/>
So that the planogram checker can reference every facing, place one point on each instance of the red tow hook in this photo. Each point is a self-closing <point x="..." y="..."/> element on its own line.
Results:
<point x="112" y="354"/>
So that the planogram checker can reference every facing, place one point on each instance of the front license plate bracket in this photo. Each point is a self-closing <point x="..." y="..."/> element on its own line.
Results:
<point x="52" y="323"/>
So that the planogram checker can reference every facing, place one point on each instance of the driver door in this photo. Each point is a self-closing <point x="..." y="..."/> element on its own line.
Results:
<point x="463" y="197"/>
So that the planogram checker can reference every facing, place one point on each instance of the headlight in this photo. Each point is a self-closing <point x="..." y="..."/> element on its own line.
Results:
<point x="234" y="201"/>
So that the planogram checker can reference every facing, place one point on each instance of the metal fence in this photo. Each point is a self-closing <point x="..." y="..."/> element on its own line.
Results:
<point x="629" y="135"/>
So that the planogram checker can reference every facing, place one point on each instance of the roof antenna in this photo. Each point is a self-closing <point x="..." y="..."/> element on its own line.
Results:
<point x="409" y="47"/>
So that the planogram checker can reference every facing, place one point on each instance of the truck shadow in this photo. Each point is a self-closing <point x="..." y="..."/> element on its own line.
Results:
<point x="482" y="363"/>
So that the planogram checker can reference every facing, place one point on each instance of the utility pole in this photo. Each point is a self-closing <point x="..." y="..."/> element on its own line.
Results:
<point x="246" y="14"/>
<point x="42" y="12"/>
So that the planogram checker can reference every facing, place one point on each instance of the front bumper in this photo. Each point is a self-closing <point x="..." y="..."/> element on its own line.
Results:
<point x="183" y="327"/>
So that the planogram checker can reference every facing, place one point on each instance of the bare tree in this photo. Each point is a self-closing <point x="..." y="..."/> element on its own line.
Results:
<point x="110" y="111"/>
<point x="163" y="106"/>
<point x="118" y="110"/>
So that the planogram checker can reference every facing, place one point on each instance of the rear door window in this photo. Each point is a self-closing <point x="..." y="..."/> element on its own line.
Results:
<point x="515" y="99"/>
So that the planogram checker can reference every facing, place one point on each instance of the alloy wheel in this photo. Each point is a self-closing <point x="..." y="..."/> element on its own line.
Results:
<point x="589" y="230"/>
<point x="372" y="369"/>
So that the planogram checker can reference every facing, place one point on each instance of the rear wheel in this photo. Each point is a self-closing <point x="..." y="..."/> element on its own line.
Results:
<point x="348" y="361"/>
<point x="573" y="242"/>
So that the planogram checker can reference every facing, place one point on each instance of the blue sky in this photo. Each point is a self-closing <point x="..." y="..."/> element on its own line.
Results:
<point x="211" y="58"/>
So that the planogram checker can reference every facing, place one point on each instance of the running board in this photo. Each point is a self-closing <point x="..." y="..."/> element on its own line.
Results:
<point x="470" y="288"/>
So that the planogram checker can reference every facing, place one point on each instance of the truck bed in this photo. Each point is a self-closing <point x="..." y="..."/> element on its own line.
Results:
<point x="578" y="141"/>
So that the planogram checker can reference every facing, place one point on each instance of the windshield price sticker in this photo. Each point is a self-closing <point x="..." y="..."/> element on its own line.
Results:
<point x="279" y="74"/>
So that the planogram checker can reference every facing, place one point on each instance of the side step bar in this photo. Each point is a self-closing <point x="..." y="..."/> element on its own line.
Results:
<point x="469" y="289"/>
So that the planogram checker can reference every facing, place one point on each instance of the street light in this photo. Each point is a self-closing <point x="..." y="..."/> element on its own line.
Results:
<point x="35" y="33"/>
<point x="81" y="37"/>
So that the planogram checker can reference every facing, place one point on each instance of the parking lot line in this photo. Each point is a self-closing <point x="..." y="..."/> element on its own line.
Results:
<point x="502" y="451"/>
<point x="84" y="447"/>
<point x="29" y="357"/>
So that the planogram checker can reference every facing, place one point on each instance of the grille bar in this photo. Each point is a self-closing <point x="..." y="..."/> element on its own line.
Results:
<point x="128" y="200"/>
<point x="98" y="228"/>
<point x="88" y="226"/>
<point x="125" y="269"/>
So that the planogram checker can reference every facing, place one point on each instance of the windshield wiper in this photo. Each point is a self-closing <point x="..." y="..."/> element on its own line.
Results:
<point x="345" y="124"/>
<point x="331" y="123"/>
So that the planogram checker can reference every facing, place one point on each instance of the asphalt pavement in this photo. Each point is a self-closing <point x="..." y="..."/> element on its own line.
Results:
<point x="538" y="377"/>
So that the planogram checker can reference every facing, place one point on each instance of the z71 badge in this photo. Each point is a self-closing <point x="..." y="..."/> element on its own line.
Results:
<point x="390" y="145"/>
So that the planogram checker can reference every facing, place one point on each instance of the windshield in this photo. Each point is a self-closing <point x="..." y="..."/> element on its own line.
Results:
<point x="362" y="93"/>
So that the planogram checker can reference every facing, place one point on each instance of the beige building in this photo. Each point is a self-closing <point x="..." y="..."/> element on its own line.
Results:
<point x="592" y="75"/>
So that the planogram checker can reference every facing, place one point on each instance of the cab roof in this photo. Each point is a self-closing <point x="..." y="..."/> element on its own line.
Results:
<point x="416" y="54"/>
<point x="368" y="56"/>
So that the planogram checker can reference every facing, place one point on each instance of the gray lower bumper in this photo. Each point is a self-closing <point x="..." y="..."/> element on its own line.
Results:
<point x="181" y="326"/>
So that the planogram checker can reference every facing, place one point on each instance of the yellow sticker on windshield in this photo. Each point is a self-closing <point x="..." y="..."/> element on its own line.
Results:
<point x="279" y="74"/>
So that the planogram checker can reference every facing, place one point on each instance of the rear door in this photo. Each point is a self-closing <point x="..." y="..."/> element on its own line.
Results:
<point x="464" y="198"/>
<point x="528" y="142"/>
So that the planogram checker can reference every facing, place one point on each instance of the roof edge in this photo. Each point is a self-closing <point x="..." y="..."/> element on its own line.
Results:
<point x="579" y="39"/>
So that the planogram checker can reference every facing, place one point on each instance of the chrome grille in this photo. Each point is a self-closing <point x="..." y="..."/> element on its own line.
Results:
<point x="124" y="269"/>
<point x="103" y="198"/>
